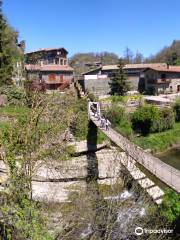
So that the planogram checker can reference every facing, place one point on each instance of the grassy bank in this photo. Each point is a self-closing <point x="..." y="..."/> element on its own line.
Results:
<point x="159" y="142"/>
<point x="14" y="111"/>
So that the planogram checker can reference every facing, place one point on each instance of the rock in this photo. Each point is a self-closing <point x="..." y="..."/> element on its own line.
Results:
<point x="3" y="100"/>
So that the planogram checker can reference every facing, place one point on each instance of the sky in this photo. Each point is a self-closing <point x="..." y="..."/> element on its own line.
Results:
<point x="95" y="25"/>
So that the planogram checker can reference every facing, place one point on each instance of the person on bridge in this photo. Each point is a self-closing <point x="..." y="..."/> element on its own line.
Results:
<point x="103" y="120"/>
<point x="107" y="124"/>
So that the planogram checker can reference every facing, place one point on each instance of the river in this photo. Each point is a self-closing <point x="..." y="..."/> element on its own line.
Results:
<point x="171" y="157"/>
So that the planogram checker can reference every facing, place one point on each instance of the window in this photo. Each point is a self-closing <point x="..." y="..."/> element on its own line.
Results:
<point x="65" y="62"/>
<point x="52" y="77"/>
<point x="50" y="61"/>
<point x="57" y="61"/>
<point x="163" y="76"/>
<point x="61" y="61"/>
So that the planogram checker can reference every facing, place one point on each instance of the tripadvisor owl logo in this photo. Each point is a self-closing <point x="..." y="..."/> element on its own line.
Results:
<point x="138" y="231"/>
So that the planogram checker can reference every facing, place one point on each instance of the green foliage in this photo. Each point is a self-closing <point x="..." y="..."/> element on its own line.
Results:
<point x="170" y="54"/>
<point x="119" y="119"/>
<point x="92" y="97"/>
<point x="125" y="128"/>
<point x="144" y="117"/>
<point x="116" y="99"/>
<point x="24" y="221"/>
<point x="83" y="62"/>
<point x="79" y="124"/>
<point x="16" y="96"/>
<point x="176" y="108"/>
<point x="168" y="118"/>
<point x="149" y="119"/>
<point x="26" y="143"/>
<point x="119" y="84"/>
<point x="151" y="90"/>
<point x="8" y="50"/>
<point x="170" y="207"/>
<point x="161" y="141"/>
<point x="14" y="111"/>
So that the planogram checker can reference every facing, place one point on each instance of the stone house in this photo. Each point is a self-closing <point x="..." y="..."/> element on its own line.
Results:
<point x="162" y="80"/>
<point x="49" y="69"/>
<point x="97" y="80"/>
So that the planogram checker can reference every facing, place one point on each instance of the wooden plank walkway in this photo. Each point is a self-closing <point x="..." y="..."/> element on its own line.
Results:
<point x="169" y="175"/>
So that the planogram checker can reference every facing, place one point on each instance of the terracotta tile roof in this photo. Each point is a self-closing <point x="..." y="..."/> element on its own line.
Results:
<point x="47" y="50"/>
<point x="138" y="65"/>
<point x="146" y="65"/>
<point x="128" y="66"/>
<point x="48" y="68"/>
<point x="163" y="69"/>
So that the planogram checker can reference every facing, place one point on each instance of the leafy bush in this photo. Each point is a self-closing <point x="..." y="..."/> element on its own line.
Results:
<point x="116" y="99"/>
<point x="92" y="97"/>
<point x="151" y="91"/>
<point x="168" y="118"/>
<point x="144" y="117"/>
<point x="115" y="114"/>
<point x="119" y="119"/>
<point x="149" y="119"/>
<point x="25" y="221"/>
<point x="79" y="123"/>
<point x="15" y="96"/>
<point x="176" y="108"/>
<point x="170" y="207"/>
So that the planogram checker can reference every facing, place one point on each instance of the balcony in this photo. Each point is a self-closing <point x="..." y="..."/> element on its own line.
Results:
<point x="163" y="81"/>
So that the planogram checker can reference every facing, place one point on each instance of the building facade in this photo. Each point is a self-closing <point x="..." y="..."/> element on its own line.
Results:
<point x="49" y="69"/>
<point x="97" y="80"/>
<point x="162" y="80"/>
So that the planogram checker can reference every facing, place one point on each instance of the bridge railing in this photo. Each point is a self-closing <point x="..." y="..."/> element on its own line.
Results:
<point x="163" y="171"/>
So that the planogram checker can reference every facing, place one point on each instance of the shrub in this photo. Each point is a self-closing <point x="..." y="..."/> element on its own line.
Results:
<point x="92" y="97"/>
<point x="79" y="123"/>
<point x="115" y="114"/>
<point x="176" y="108"/>
<point x="151" y="91"/>
<point x="170" y="207"/>
<point x="144" y="117"/>
<point x="15" y="96"/>
<point x="149" y="119"/>
<point x="119" y="119"/>
<point x="168" y="118"/>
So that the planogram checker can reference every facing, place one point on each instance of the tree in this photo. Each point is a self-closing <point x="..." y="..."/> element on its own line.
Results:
<point x="170" y="54"/>
<point x="119" y="84"/>
<point x="6" y="67"/>
<point x="128" y="56"/>
<point x="83" y="62"/>
<point x="138" y="57"/>
<point x="9" y="52"/>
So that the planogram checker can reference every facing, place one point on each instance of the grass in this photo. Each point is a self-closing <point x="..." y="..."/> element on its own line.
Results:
<point x="13" y="111"/>
<point x="4" y="126"/>
<point x="122" y="99"/>
<point x="159" y="142"/>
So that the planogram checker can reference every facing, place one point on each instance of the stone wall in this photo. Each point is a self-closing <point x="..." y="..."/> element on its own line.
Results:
<point x="97" y="86"/>
<point x="101" y="86"/>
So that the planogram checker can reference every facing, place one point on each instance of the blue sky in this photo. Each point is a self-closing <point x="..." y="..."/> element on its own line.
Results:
<point x="96" y="25"/>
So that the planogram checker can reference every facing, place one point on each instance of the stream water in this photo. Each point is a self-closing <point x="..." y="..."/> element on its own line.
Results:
<point x="171" y="157"/>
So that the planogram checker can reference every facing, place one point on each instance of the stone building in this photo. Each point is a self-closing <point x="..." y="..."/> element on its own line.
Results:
<point x="97" y="80"/>
<point x="162" y="80"/>
<point x="49" y="69"/>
